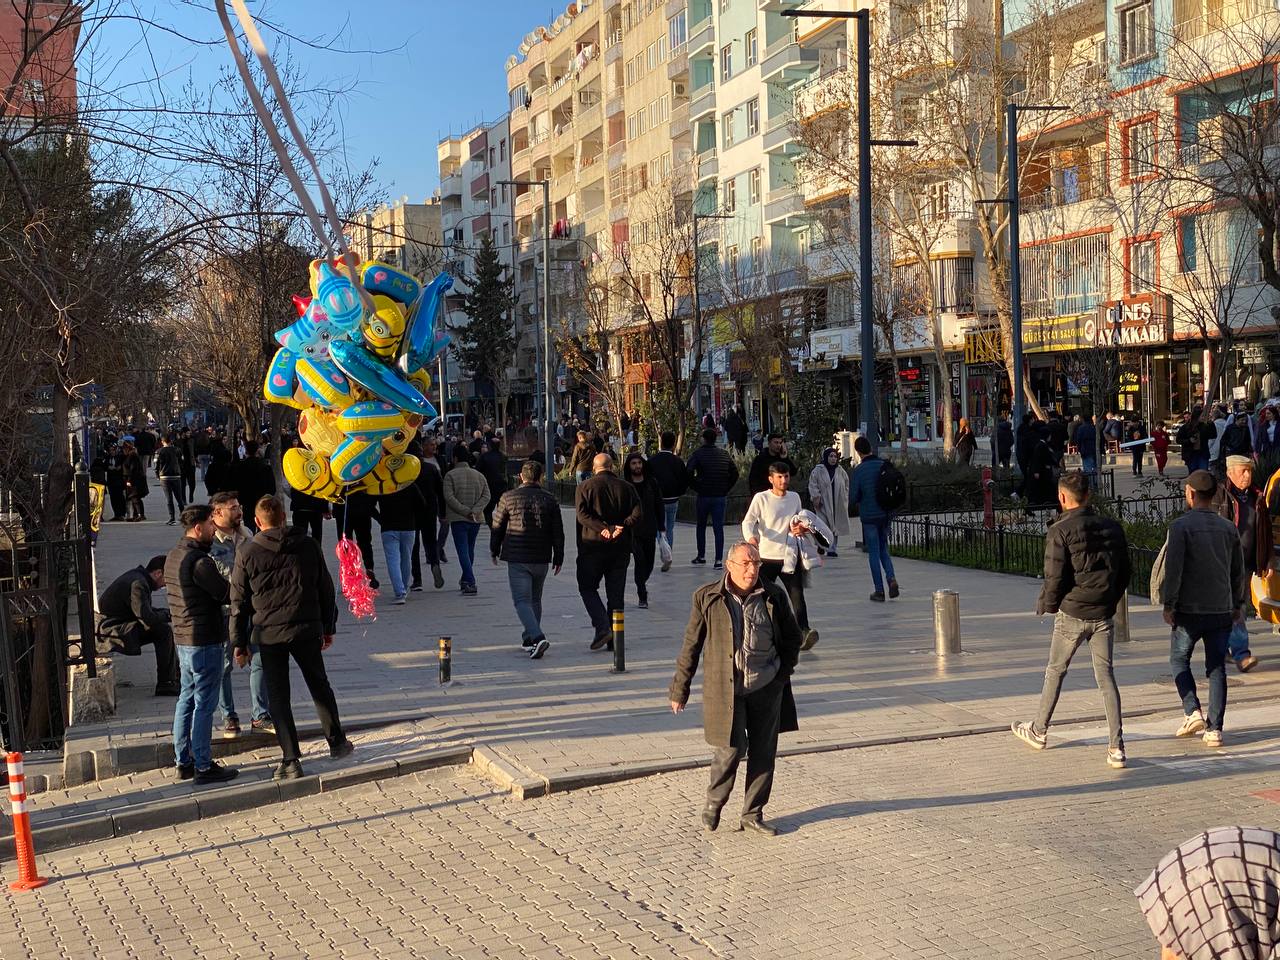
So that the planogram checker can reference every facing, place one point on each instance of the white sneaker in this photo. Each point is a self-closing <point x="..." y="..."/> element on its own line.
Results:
<point x="1213" y="738"/>
<point x="1192" y="724"/>
<point x="1116" y="759"/>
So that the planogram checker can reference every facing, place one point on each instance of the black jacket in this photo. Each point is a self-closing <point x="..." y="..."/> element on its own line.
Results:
<point x="651" y="507"/>
<point x="528" y="527"/>
<point x="197" y="592"/>
<point x="251" y="479"/>
<point x="604" y="500"/>
<point x="758" y="477"/>
<point x="430" y="502"/>
<point x="282" y="587"/>
<point x="1086" y="566"/>
<point x="492" y="465"/>
<point x="168" y="462"/>
<point x="711" y="471"/>
<point x="400" y="510"/>
<point x="670" y="472"/>
<point x="300" y="502"/>
<point x="127" y="601"/>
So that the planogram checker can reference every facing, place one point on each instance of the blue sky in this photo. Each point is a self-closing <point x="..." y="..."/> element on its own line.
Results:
<point x="436" y="66"/>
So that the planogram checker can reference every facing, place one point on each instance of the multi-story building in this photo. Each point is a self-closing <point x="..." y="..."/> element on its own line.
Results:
<point x="475" y="202"/>
<point x="403" y="234"/>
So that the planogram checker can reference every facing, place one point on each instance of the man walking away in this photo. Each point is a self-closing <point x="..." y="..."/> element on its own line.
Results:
<point x="1243" y="504"/>
<point x="769" y="526"/>
<point x="673" y="480"/>
<point x="492" y="465"/>
<point x="1087" y="447"/>
<point x="774" y="452"/>
<point x="607" y="509"/>
<point x="197" y="592"/>
<point x="465" y="495"/>
<point x="874" y="517"/>
<point x="281" y="588"/>
<point x="309" y="513"/>
<point x="644" y="538"/>
<point x="187" y="456"/>
<point x="528" y="533"/>
<point x="743" y="631"/>
<point x="1086" y="573"/>
<point x="251" y="478"/>
<point x="228" y="537"/>
<point x="169" y="472"/>
<point x="129" y="622"/>
<point x="428" y="509"/>
<point x="398" y="518"/>
<point x="712" y="474"/>
<point x="1199" y="580"/>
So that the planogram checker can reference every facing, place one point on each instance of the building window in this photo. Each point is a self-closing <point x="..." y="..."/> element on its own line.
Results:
<point x="1142" y="266"/>
<point x="724" y="6"/>
<point x="753" y="185"/>
<point x="726" y="62"/>
<point x="731" y="260"/>
<point x="1188" y="244"/>
<point x="1140" y="149"/>
<point x="726" y="123"/>
<point x="493" y="197"/>
<point x="730" y="195"/>
<point x="753" y="117"/>
<point x="678" y="31"/>
<point x="502" y="151"/>
<point x="757" y="254"/>
<point x="753" y="48"/>
<point x="493" y="154"/>
<point x="1137" y="32"/>
<point x="651" y="57"/>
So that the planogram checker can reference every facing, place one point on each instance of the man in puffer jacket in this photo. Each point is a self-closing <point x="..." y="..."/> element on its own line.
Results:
<point x="528" y="533"/>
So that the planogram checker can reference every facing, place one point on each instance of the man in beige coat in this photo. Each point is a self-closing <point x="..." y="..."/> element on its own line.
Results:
<point x="752" y="644"/>
<point x="466" y="493"/>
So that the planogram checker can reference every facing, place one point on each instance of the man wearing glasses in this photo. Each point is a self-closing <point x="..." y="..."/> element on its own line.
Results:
<point x="751" y="641"/>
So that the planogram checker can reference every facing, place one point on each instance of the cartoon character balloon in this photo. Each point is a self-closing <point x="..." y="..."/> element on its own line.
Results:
<point x="354" y="362"/>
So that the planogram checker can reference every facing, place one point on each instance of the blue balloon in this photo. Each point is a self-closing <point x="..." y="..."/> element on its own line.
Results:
<point x="420" y="336"/>
<point x="383" y="381"/>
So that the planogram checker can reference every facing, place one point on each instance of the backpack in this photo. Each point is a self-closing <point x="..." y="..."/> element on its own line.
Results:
<point x="891" y="488"/>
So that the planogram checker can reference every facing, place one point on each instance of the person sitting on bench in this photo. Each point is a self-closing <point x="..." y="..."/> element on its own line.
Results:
<point x="128" y="621"/>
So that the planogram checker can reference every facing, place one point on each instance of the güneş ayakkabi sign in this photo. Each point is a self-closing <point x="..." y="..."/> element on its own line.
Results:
<point x="1127" y="325"/>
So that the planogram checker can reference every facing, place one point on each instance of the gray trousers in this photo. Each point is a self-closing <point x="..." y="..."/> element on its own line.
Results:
<point x="756" y="718"/>
<point x="526" y="580"/>
<point x="1068" y="634"/>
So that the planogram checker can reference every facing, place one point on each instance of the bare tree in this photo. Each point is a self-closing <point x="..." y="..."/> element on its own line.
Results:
<point x="587" y="340"/>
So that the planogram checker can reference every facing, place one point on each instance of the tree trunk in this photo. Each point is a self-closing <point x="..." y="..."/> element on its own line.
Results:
<point x="277" y="447"/>
<point x="944" y="375"/>
<point x="60" y="424"/>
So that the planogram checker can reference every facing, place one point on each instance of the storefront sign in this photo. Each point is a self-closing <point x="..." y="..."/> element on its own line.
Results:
<point x="982" y="346"/>
<point x="831" y="343"/>
<point x="1137" y="324"/>
<point x="910" y="374"/>
<point x="1050" y="334"/>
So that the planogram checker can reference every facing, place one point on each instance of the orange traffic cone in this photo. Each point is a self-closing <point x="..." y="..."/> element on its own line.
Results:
<point x="28" y="879"/>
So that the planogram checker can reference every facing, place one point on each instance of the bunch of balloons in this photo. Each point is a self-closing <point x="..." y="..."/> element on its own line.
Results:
<point x="355" y="363"/>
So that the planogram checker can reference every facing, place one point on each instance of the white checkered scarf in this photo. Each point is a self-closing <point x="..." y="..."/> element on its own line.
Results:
<point x="1217" y="896"/>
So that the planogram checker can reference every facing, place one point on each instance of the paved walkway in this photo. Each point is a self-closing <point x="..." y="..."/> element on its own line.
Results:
<point x="872" y="677"/>
<point x="977" y="849"/>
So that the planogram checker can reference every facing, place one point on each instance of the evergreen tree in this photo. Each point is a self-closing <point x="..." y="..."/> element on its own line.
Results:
<point x="487" y="344"/>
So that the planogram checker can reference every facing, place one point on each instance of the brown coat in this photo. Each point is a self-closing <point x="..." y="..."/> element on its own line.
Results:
<point x="711" y="627"/>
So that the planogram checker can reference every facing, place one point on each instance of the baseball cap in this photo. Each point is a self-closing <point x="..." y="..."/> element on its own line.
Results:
<point x="1202" y="481"/>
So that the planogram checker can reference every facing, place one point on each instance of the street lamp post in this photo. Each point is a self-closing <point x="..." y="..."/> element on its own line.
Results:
<point x="544" y="371"/>
<point x="697" y="307"/>
<point x="866" y="305"/>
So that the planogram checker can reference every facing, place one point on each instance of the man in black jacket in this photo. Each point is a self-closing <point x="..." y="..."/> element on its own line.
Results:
<point x="492" y="465"/>
<point x="251" y="478"/>
<point x="607" y="508"/>
<point x="282" y="587"/>
<point x="1086" y="573"/>
<point x="774" y="452"/>
<point x="528" y="533"/>
<point x="169" y="472"/>
<point x="430" y="510"/>
<point x="197" y="592"/>
<point x="644" y="538"/>
<point x="712" y="474"/>
<point x="673" y="480"/>
<point x="128" y="621"/>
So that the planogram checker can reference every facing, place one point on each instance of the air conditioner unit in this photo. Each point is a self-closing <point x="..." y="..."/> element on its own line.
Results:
<point x="680" y="90"/>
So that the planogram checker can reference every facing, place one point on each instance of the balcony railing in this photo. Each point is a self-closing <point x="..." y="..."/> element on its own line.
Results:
<point x="781" y="120"/>
<point x="1068" y="185"/>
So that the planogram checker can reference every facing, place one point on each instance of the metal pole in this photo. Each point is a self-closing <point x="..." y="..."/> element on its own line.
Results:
<point x="619" y="643"/>
<point x="1015" y="262"/>
<point x="946" y="622"/>
<point x="697" y="319"/>
<point x="548" y="457"/>
<point x="446" y="660"/>
<point x="444" y="394"/>
<point x="867" y="302"/>
<point x="84" y="576"/>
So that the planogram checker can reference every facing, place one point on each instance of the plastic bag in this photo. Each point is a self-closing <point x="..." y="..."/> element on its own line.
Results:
<point x="664" y="548"/>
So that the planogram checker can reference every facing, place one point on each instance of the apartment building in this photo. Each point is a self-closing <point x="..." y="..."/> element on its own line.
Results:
<point x="475" y="203"/>
<point x="406" y="235"/>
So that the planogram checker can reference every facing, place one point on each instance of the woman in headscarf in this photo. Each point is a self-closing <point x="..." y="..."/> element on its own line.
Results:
<point x="135" y="481"/>
<point x="1216" y="897"/>
<point x="829" y="494"/>
<point x="966" y="442"/>
<point x="644" y="536"/>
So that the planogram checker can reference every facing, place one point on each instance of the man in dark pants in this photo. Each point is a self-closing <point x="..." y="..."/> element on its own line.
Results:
<point x="252" y="478"/>
<point x="355" y="520"/>
<point x="430" y="508"/>
<point x="129" y="622"/>
<point x="492" y="465"/>
<point x="282" y="587"/>
<point x="607" y="508"/>
<point x="309" y="513"/>
<point x="1201" y="586"/>
<point x="169" y="472"/>
<point x="743" y="631"/>
<point x="712" y="474"/>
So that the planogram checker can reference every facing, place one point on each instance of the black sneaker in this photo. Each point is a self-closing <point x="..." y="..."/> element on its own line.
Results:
<point x="186" y="771"/>
<point x="373" y="582"/>
<point x="540" y="646"/>
<point x="893" y="589"/>
<point x="717" y="565"/>
<point x="602" y="641"/>
<point x="343" y="749"/>
<point x="416" y="587"/>
<point x="288" y="770"/>
<point x="262" y="726"/>
<point x="526" y="643"/>
<point x="170" y="522"/>
<point x="878" y="596"/>
<point x="216" y="773"/>
<point x="644" y="603"/>
<point x="698" y="560"/>
<point x="437" y="575"/>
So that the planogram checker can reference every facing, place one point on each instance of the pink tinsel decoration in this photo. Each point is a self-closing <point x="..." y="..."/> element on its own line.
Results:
<point x="354" y="579"/>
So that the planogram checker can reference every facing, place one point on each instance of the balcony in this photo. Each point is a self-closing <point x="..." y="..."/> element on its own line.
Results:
<point x="702" y="36"/>
<point x="673" y="7"/>
<point x="588" y="118"/>
<point x="708" y="164"/>
<point x="480" y="185"/>
<point x="785" y="203"/>
<point x="1068" y="185"/>
<point x="617" y="155"/>
<point x="703" y="103"/>
<point x="828" y="91"/>
<point x="614" y="104"/>
<point x="680" y="124"/>
<point x="613" y="46"/>
<point x="451" y="185"/>
<point x="787" y="58"/>
<point x="678" y="64"/>
<point x="779" y="133"/>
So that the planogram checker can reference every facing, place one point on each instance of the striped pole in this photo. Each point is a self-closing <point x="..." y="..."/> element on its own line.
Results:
<point x="619" y="644"/>
<point x="446" y="661"/>
<point x="28" y="879"/>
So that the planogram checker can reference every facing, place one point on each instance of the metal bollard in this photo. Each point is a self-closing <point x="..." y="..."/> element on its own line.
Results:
<point x="1122" y="619"/>
<point x="619" y="643"/>
<point x="946" y="622"/>
<point x="446" y="660"/>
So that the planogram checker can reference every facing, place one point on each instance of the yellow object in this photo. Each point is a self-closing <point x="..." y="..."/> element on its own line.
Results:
<point x="383" y="330"/>
<point x="1266" y="596"/>
<point x="319" y="431"/>
<point x="324" y="383"/>
<point x="355" y="457"/>
<point x="370" y="420"/>
<point x="307" y="472"/>
<point x="421" y="379"/>
<point x="393" y="473"/>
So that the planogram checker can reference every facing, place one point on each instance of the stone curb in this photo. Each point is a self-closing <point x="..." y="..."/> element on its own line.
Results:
<point x="204" y="804"/>
<point x="506" y="775"/>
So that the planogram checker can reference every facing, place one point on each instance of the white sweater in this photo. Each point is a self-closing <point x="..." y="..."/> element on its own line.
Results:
<point x="769" y="518"/>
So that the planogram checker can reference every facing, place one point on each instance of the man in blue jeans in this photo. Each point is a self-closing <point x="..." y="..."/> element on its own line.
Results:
<point x="673" y="480"/>
<point x="1198" y="579"/>
<point x="197" y="593"/>
<point x="528" y="533"/>
<point x="229" y="535"/>
<point x="875" y="519"/>
<point x="712" y="473"/>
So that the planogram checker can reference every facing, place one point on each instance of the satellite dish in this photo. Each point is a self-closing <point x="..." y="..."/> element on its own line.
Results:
<point x="560" y="23"/>
<point x="513" y="60"/>
<point x="571" y="10"/>
<point x="532" y="38"/>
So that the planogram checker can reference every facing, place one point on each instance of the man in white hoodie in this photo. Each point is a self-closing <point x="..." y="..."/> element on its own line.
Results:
<point x="768" y="525"/>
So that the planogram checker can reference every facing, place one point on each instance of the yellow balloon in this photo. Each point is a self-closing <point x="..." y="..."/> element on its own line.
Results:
<point x="382" y="331"/>
<point x="319" y="431"/>
<point x="421" y="379"/>
<point x="394" y="472"/>
<point x="308" y="473"/>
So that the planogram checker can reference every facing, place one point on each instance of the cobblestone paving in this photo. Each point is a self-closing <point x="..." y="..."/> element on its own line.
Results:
<point x="973" y="848"/>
